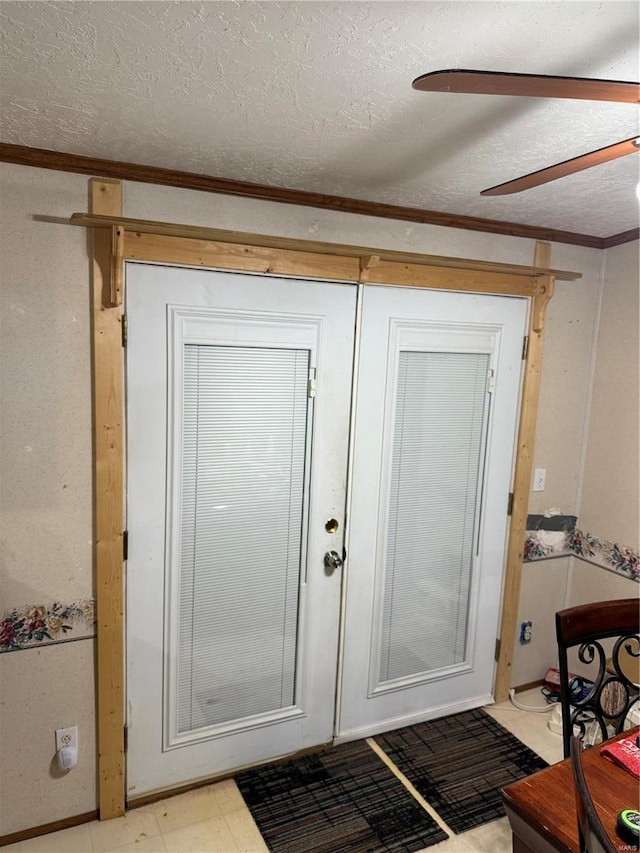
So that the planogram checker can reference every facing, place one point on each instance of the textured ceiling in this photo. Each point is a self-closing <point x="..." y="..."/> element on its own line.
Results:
<point x="317" y="96"/>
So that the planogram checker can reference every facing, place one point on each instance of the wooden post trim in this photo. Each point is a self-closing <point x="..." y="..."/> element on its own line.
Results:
<point x="522" y="477"/>
<point x="544" y="290"/>
<point x="108" y="420"/>
<point x="542" y="254"/>
<point x="117" y="265"/>
<point x="366" y="263"/>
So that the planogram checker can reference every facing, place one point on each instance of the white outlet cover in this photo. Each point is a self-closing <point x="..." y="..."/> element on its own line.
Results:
<point x="67" y="737"/>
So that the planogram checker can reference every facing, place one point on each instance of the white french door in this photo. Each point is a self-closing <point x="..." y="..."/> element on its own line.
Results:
<point x="436" y="412"/>
<point x="240" y="391"/>
<point x="238" y="400"/>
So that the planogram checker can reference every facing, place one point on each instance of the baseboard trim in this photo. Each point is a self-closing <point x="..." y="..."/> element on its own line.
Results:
<point x="47" y="828"/>
<point x="529" y="685"/>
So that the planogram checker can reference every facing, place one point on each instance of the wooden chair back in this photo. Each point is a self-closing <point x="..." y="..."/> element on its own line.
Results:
<point x="615" y="689"/>
<point x="592" y="835"/>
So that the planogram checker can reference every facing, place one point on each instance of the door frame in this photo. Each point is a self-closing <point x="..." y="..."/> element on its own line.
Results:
<point x="116" y="239"/>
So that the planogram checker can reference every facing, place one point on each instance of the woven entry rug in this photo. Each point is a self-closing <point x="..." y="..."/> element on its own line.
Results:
<point x="340" y="800"/>
<point x="460" y="763"/>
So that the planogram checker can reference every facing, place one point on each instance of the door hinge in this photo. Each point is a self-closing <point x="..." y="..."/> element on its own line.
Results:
<point x="125" y="545"/>
<point x="126" y="739"/>
<point x="123" y="329"/>
<point x="525" y="347"/>
<point x="510" y="504"/>
<point x="497" y="650"/>
<point x="491" y="382"/>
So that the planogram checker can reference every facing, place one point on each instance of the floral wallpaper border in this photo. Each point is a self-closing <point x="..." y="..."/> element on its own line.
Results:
<point x="610" y="555"/>
<point x="40" y="625"/>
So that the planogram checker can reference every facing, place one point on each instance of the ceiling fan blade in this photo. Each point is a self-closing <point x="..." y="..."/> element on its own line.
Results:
<point x="528" y="85"/>
<point x="567" y="167"/>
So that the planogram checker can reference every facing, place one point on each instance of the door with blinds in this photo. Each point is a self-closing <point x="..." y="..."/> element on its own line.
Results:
<point x="435" y="422"/>
<point x="238" y="405"/>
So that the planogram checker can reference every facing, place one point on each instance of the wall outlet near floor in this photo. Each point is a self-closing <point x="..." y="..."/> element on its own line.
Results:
<point x="539" y="476"/>
<point x="525" y="633"/>
<point x="67" y="737"/>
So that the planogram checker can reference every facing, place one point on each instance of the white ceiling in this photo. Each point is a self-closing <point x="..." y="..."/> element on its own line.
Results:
<point x="317" y="96"/>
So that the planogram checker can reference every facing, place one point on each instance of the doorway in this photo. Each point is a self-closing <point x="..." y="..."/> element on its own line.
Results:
<point x="239" y="399"/>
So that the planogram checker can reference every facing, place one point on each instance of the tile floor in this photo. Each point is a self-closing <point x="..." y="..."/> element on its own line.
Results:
<point x="215" y="819"/>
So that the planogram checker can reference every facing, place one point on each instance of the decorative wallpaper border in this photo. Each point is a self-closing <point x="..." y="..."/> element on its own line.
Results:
<point x="610" y="555"/>
<point x="39" y="625"/>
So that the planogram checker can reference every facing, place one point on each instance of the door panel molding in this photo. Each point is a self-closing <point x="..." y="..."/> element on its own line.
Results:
<point x="444" y="337"/>
<point x="294" y="258"/>
<point x="222" y="327"/>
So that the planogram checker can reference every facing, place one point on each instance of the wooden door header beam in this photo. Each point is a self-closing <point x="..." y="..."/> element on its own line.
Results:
<point x="215" y="235"/>
<point x="46" y="159"/>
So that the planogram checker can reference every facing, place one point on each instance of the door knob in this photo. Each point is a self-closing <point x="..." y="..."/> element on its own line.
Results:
<point x="332" y="561"/>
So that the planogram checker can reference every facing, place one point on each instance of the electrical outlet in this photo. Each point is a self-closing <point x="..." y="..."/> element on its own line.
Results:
<point x="525" y="633"/>
<point x="539" y="476"/>
<point x="67" y="737"/>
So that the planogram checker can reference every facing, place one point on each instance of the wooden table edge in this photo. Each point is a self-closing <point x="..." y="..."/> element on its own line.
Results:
<point x="547" y="841"/>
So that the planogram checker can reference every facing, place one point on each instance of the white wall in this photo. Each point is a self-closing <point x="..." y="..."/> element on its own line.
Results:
<point x="610" y="495"/>
<point x="46" y="492"/>
<point x="610" y="500"/>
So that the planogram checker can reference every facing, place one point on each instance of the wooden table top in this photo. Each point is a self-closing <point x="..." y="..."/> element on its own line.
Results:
<point x="546" y="799"/>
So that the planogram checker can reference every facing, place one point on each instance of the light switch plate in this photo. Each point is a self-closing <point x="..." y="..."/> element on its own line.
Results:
<point x="539" y="476"/>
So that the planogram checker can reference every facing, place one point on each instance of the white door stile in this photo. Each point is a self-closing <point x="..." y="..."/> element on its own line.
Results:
<point x="347" y="525"/>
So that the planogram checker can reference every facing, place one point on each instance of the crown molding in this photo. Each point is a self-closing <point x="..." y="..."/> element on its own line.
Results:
<point x="622" y="237"/>
<point x="60" y="161"/>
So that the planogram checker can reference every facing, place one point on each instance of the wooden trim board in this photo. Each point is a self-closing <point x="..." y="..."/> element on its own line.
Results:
<point x="47" y="159"/>
<point x="46" y="828"/>
<point x="622" y="237"/>
<point x="239" y="243"/>
<point x="179" y="250"/>
<point x="530" y="685"/>
<point x="108" y="425"/>
<point x="522" y="478"/>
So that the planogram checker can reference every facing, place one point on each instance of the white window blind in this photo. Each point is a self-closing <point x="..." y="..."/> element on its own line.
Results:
<point x="434" y="502"/>
<point x="244" y="451"/>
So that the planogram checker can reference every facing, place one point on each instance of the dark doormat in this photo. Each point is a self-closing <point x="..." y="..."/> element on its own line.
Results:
<point x="460" y="763"/>
<point x="340" y="800"/>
